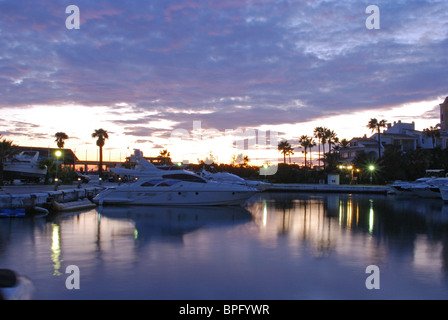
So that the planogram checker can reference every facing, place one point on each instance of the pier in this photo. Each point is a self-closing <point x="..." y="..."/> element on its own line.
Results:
<point x="325" y="188"/>
<point x="31" y="196"/>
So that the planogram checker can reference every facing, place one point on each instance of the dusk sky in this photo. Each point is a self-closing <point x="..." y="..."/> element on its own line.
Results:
<point x="143" y="69"/>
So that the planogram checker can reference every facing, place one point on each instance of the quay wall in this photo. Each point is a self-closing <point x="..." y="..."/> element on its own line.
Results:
<point x="334" y="188"/>
<point x="29" y="200"/>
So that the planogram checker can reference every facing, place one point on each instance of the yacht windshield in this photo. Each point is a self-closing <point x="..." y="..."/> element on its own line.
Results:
<point x="184" y="177"/>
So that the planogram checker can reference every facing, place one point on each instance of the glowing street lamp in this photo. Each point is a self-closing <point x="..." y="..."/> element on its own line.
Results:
<point x="58" y="153"/>
<point x="371" y="169"/>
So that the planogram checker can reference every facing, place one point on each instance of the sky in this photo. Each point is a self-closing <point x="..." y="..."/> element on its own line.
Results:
<point x="195" y="76"/>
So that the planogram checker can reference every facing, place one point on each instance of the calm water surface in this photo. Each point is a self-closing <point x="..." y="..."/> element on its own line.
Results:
<point x="280" y="246"/>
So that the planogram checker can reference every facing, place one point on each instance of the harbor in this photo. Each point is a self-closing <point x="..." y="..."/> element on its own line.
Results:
<point x="28" y="197"/>
<point x="223" y="150"/>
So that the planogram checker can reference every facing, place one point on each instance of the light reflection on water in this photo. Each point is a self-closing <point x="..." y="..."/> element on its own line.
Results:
<point x="281" y="246"/>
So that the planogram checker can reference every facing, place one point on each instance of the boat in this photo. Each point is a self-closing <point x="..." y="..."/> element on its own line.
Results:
<point x="24" y="166"/>
<point x="425" y="187"/>
<point x="144" y="168"/>
<point x="226" y="177"/>
<point x="81" y="204"/>
<point x="15" y="287"/>
<point x="178" y="190"/>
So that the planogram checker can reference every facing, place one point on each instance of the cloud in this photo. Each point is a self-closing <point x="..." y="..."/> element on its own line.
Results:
<point x="184" y="61"/>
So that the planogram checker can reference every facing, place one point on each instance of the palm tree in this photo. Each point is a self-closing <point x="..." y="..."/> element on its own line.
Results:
<point x="60" y="137"/>
<point x="7" y="149"/>
<point x="285" y="148"/>
<point x="102" y="136"/>
<point x="331" y="138"/>
<point x="433" y="133"/>
<point x="164" y="154"/>
<point x="307" y="143"/>
<point x="374" y="124"/>
<point x="319" y="134"/>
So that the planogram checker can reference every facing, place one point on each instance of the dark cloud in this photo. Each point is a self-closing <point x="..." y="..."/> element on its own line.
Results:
<point x="228" y="64"/>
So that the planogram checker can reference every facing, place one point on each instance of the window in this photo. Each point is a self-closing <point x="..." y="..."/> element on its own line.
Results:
<point x="167" y="183"/>
<point x="184" y="177"/>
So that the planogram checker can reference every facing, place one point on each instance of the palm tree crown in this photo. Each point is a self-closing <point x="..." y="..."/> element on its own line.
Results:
<point x="285" y="148"/>
<point x="307" y="143"/>
<point x="374" y="124"/>
<point x="60" y="139"/>
<point x="102" y="135"/>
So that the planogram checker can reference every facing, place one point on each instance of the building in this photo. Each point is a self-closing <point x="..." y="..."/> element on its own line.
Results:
<point x="358" y="145"/>
<point x="400" y="135"/>
<point x="444" y="124"/>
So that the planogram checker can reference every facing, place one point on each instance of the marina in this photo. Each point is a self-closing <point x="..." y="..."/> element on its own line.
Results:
<point x="223" y="150"/>
<point x="283" y="246"/>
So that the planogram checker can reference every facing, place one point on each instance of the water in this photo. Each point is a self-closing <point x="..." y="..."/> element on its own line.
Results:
<point x="281" y="246"/>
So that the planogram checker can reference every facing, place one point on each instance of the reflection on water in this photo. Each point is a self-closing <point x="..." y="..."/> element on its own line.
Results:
<point x="280" y="246"/>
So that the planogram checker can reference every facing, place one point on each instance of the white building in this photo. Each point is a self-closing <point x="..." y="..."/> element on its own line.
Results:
<point x="400" y="135"/>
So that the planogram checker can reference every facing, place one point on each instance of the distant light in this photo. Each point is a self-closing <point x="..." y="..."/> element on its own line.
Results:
<point x="58" y="153"/>
<point x="350" y="167"/>
<point x="265" y="166"/>
<point x="179" y="164"/>
<point x="371" y="167"/>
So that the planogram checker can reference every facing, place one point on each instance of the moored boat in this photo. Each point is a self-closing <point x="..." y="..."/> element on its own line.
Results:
<point x="184" y="190"/>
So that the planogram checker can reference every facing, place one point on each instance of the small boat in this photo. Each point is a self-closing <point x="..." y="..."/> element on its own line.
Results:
<point x="82" y="204"/>
<point x="14" y="287"/>
<point x="425" y="187"/>
<point x="444" y="192"/>
<point x="182" y="190"/>
<point x="12" y="213"/>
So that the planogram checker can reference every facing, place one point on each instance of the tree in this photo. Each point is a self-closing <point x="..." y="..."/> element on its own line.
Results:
<point x="7" y="149"/>
<point x="319" y="133"/>
<point x="240" y="159"/>
<point x="165" y="154"/>
<point x="374" y="124"/>
<point x="285" y="148"/>
<point x="433" y="133"/>
<point x="101" y="136"/>
<point x="307" y="143"/>
<point x="50" y="167"/>
<point x="60" y="139"/>
<point x="331" y="138"/>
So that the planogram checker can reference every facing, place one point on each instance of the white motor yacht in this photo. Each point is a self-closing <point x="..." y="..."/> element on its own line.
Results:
<point x="146" y="169"/>
<point x="181" y="190"/>
<point x="425" y="187"/>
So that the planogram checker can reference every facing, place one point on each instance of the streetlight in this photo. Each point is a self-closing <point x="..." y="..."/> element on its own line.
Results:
<point x="371" y="169"/>
<point x="58" y="153"/>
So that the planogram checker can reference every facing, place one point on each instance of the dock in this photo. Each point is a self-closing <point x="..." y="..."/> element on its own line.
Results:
<point x="327" y="188"/>
<point x="28" y="197"/>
